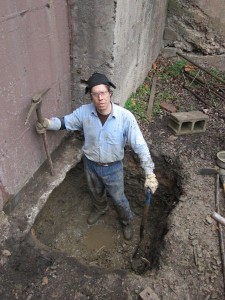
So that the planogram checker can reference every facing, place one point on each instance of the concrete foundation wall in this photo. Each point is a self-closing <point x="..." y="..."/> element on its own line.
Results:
<point x="122" y="40"/>
<point x="93" y="24"/>
<point x="34" y="55"/>
<point x="137" y="42"/>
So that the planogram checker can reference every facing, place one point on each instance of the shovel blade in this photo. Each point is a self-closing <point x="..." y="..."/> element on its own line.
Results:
<point x="207" y="172"/>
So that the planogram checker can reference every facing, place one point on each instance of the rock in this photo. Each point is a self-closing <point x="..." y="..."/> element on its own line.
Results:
<point x="209" y="220"/>
<point x="195" y="242"/>
<point x="44" y="280"/>
<point x="148" y="294"/>
<point x="6" y="253"/>
<point x="168" y="106"/>
<point x="172" y="138"/>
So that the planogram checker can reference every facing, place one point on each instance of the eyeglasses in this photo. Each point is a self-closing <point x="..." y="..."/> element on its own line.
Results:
<point x="99" y="94"/>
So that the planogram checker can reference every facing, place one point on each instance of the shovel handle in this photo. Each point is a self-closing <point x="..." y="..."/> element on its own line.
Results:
<point x="147" y="203"/>
<point x="145" y="212"/>
<point x="148" y="196"/>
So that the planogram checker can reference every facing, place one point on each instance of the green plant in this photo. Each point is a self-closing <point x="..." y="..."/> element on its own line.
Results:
<point x="137" y="106"/>
<point x="217" y="73"/>
<point x="163" y="76"/>
<point x="137" y="102"/>
<point x="176" y="69"/>
<point x="156" y="108"/>
<point x="172" y="70"/>
<point x="166" y="95"/>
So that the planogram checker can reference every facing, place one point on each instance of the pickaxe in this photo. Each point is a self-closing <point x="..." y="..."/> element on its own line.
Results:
<point x="36" y="105"/>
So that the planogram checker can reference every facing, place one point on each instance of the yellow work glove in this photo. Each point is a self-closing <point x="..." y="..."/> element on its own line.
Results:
<point x="151" y="182"/>
<point x="42" y="127"/>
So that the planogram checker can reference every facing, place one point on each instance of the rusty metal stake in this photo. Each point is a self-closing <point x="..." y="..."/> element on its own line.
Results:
<point x="203" y="101"/>
<point x="200" y="67"/>
<point x="202" y="83"/>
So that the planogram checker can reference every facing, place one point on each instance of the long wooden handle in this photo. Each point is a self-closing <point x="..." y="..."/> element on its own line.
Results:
<point x="39" y="114"/>
<point x="44" y="137"/>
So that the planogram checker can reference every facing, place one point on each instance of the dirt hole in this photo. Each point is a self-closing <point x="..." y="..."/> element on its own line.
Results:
<point x="62" y="222"/>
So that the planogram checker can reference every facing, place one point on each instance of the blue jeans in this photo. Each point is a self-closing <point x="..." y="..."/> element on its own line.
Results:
<point x="103" y="180"/>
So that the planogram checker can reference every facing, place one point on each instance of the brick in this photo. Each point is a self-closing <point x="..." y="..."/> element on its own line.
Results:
<point x="168" y="107"/>
<point x="148" y="294"/>
<point x="188" y="122"/>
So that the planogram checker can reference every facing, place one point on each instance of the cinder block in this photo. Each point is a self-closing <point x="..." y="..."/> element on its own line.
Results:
<point x="188" y="122"/>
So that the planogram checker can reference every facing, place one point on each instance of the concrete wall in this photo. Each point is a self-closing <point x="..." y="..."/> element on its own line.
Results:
<point x="137" y="42"/>
<point x="122" y="40"/>
<point x="93" y="24"/>
<point x="34" y="55"/>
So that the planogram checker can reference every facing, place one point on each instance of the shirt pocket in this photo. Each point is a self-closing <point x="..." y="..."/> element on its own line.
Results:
<point x="113" y="138"/>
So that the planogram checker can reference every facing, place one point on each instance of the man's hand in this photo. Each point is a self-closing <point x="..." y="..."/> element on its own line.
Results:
<point x="151" y="182"/>
<point x="42" y="127"/>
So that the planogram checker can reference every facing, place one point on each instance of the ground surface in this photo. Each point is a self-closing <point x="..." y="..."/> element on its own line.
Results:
<point x="179" y="256"/>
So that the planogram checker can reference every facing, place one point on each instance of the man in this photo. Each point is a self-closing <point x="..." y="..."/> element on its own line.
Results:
<point x="107" y="128"/>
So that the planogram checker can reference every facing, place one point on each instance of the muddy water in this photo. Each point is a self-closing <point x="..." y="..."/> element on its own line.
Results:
<point x="62" y="224"/>
<point x="92" y="240"/>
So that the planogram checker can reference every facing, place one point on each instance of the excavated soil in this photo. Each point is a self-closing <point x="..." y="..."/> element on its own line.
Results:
<point x="179" y="256"/>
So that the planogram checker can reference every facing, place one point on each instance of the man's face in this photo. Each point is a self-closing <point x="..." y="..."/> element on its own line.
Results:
<point x="101" y="95"/>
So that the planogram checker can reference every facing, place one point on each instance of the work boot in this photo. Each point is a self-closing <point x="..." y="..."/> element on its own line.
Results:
<point x="94" y="216"/>
<point x="127" y="232"/>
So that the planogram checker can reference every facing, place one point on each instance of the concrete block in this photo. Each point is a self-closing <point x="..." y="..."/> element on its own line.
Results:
<point x="148" y="294"/>
<point x="188" y="122"/>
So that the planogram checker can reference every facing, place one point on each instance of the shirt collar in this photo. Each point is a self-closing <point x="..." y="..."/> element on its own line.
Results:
<point x="113" y="112"/>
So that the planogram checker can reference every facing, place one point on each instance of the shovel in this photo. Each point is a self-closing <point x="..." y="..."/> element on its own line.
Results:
<point x="212" y="172"/>
<point x="143" y="220"/>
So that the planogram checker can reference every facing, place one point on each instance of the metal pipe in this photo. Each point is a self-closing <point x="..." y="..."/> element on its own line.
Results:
<point x="218" y="218"/>
<point x="198" y="66"/>
<point x="202" y="83"/>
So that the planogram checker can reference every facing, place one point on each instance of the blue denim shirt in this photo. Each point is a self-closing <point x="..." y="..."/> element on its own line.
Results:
<point x="105" y="143"/>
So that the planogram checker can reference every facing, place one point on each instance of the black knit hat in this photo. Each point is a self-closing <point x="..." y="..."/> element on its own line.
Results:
<point x="96" y="79"/>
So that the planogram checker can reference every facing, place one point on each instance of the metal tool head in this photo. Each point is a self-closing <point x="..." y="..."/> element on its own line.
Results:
<point x="208" y="171"/>
<point x="37" y="97"/>
<point x="36" y="100"/>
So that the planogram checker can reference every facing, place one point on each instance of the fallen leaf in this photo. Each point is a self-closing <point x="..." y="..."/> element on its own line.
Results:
<point x="189" y="68"/>
<point x="154" y="66"/>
